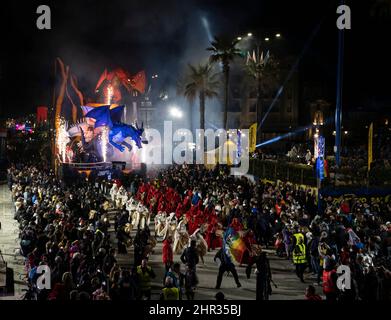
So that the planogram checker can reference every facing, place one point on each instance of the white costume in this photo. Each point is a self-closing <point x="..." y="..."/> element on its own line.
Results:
<point x="121" y="197"/>
<point x="181" y="237"/>
<point x="113" y="192"/>
<point x="170" y="225"/>
<point x="202" y="246"/>
<point x="160" y="223"/>
<point x="143" y="217"/>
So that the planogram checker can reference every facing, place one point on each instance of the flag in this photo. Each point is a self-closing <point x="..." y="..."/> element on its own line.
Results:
<point x="42" y="114"/>
<point x="370" y="140"/>
<point x="239" y="143"/>
<point x="253" y="137"/>
<point x="320" y="170"/>
<point x="233" y="245"/>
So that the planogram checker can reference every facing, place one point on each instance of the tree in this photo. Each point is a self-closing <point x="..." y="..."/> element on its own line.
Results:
<point x="260" y="68"/>
<point x="200" y="82"/>
<point x="224" y="51"/>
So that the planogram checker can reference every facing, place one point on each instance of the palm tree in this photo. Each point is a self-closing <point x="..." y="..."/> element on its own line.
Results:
<point x="201" y="83"/>
<point x="262" y="68"/>
<point x="224" y="51"/>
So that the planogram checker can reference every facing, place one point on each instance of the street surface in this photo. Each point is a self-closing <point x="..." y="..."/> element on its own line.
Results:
<point x="288" y="285"/>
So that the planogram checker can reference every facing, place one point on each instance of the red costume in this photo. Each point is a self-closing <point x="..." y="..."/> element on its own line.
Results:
<point x="249" y="240"/>
<point x="236" y="225"/>
<point x="167" y="253"/>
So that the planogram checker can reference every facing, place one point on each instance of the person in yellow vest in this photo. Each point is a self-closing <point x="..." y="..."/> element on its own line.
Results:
<point x="169" y="292"/>
<point x="297" y="236"/>
<point x="300" y="258"/>
<point x="145" y="274"/>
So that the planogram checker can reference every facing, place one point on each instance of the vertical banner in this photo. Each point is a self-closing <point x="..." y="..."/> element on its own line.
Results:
<point x="316" y="145"/>
<point x="42" y="114"/>
<point x="321" y="147"/>
<point x="370" y="140"/>
<point x="239" y="133"/>
<point x="253" y="137"/>
<point x="320" y="170"/>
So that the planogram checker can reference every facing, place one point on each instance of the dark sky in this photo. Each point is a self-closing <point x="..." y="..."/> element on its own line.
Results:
<point x="162" y="36"/>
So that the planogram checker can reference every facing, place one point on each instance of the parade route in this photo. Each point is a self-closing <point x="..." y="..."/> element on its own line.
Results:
<point x="288" y="286"/>
<point x="9" y="241"/>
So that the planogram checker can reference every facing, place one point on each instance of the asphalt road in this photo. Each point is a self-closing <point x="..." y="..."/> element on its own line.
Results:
<point x="288" y="285"/>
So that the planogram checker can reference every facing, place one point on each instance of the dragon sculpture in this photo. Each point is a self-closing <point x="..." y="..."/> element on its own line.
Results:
<point x="119" y="131"/>
<point x="120" y="77"/>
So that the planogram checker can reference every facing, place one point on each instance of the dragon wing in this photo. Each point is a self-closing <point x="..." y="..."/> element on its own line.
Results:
<point x="116" y="114"/>
<point x="101" y="115"/>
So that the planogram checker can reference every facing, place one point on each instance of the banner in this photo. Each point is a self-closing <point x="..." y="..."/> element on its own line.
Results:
<point x="320" y="169"/>
<point x="239" y="133"/>
<point x="252" y="137"/>
<point x="319" y="147"/>
<point x="233" y="245"/>
<point x="370" y="140"/>
<point x="42" y="114"/>
<point x="360" y="194"/>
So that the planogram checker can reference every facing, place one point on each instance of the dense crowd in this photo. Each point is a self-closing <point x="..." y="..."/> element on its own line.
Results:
<point x="66" y="227"/>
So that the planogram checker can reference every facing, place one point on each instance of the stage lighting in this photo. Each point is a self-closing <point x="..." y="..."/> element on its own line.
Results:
<point x="175" y="112"/>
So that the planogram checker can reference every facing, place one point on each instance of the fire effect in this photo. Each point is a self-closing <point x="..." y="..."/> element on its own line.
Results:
<point x="105" y="142"/>
<point x="109" y="94"/>
<point x="62" y="139"/>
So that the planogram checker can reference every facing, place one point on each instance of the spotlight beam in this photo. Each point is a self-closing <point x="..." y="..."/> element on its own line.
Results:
<point x="289" y="134"/>
<point x="292" y="70"/>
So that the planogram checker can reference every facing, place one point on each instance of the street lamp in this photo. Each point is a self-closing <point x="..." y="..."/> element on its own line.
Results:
<point x="267" y="39"/>
<point x="239" y="38"/>
<point x="278" y="35"/>
<point x="249" y="34"/>
<point x="175" y="112"/>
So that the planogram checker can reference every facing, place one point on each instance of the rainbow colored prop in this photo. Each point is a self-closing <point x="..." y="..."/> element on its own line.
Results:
<point x="233" y="245"/>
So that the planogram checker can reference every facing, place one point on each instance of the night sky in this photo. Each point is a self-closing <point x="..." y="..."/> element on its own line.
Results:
<point x="163" y="36"/>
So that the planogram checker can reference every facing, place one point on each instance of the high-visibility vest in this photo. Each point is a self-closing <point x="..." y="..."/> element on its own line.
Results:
<point x="328" y="283"/>
<point x="299" y="256"/>
<point x="171" y="293"/>
<point x="145" y="278"/>
<point x="299" y="236"/>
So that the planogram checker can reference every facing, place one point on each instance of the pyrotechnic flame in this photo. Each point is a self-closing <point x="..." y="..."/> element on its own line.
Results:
<point x="109" y="94"/>
<point x="104" y="141"/>
<point x="62" y="139"/>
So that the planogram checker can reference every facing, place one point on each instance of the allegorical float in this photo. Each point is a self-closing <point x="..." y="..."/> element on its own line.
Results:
<point x="94" y="134"/>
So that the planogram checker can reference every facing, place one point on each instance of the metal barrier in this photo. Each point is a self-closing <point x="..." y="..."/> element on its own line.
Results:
<point x="88" y="166"/>
<point x="281" y="170"/>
